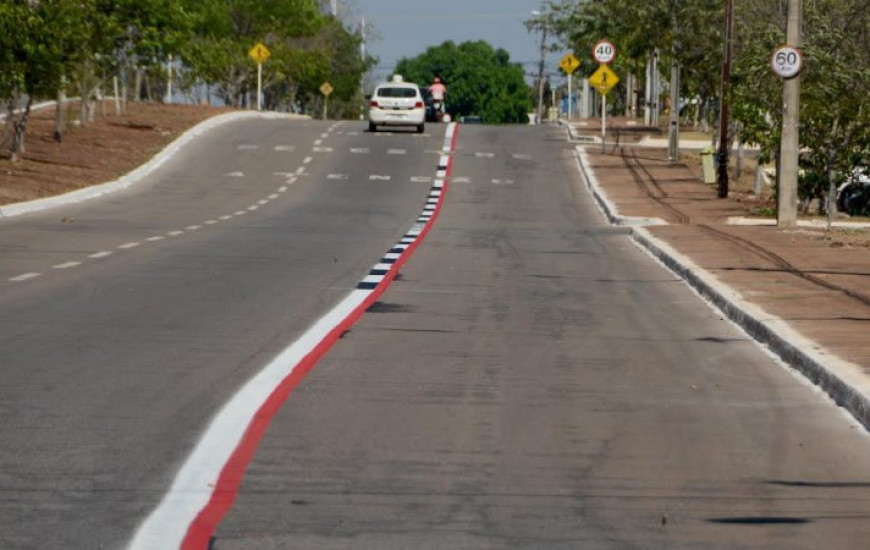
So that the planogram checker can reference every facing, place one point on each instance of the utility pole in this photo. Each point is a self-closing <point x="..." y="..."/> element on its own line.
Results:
<point x="541" y="72"/>
<point x="786" y="213"/>
<point x="674" y="111"/>
<point x="724" y="144"/>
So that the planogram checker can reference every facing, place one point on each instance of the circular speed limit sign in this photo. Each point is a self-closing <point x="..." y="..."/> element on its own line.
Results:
<point x="786" y="61"/>
<point x="604" y="52"/>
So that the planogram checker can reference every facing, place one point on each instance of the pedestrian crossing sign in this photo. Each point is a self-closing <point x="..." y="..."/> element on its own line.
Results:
<point x="603" y="79"/>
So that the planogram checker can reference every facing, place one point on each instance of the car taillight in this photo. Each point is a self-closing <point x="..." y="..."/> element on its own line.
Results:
<point x="418" y="105"/>
<point x="374" y="104"/>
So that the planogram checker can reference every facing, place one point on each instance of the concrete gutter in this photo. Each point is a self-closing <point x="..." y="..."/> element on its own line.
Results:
<point x="843" y="381"/>
<point x="138" y="174"/>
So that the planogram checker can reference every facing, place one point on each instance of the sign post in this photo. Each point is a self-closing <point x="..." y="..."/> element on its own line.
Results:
<point x="569" y="64"/>
<point x="259" y="53"/>
<point x="604" y="80"/>
<point x="326" y="90"/>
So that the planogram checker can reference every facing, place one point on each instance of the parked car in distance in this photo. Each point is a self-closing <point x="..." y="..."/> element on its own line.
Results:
<point x="397" y="103"/>
<point x="853" y="196"/>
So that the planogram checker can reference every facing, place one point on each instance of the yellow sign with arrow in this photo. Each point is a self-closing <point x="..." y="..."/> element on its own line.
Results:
<point x="260" y="53"/>
<point x="603" y="79"/>
<point x="569" y="63"/>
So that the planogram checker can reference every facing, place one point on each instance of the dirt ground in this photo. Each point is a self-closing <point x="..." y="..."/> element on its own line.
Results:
<point x="97" y="152"/>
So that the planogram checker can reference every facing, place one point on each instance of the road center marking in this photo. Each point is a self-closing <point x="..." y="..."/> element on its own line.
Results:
<point x="206" y="484"/>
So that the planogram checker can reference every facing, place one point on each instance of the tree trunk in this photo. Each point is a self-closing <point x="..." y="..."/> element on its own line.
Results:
<point x="84" y="105"/>
<point x="137" y="86"/>
<point x="58" y="115"/>
<point x="17" y="149"/>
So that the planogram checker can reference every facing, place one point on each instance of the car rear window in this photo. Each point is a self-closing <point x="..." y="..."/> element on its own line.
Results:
<point x="397" y="92"/>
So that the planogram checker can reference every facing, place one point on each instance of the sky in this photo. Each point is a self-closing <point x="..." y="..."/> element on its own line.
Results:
<point x="405" y="28"/>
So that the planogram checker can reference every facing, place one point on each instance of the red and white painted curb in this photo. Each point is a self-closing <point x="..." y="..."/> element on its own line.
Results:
<point x="207" y="483"/>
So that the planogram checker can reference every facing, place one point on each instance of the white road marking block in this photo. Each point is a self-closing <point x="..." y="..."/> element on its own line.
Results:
<point x="24" y="277"/>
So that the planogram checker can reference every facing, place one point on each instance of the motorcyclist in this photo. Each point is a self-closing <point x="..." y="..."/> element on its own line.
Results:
<point x="437" y="90"/>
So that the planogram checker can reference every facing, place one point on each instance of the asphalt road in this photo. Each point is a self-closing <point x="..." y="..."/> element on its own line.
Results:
<point x="532" y="380"/>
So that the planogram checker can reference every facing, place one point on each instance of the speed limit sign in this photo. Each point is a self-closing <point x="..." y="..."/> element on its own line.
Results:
<point x="786" y="61"/>
<point x="604" y="52"/>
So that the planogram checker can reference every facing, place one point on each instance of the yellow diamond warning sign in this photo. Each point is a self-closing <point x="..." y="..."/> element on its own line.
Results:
<point x="569" y="63"/>
<point x="259" y="53"/>
<point x="604" y="79"/>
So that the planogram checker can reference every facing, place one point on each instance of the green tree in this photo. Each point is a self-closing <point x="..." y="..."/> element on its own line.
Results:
<point x="834" y="116"/>
<point x="480" y="80"/>
<point x="39" y="41"/>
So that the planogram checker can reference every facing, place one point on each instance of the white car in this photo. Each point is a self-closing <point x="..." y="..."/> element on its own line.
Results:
<point x="397" y="103"/>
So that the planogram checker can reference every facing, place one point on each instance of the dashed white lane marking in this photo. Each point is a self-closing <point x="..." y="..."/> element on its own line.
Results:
<point x="421" y="179"/>
<point x="324" y="135"/>
<point x="360" y="150"/>
<point x="318" y="141"/>
<point x="338" y="176"/>
<point x="24" y="277"/>
<point x="498" y="181"/>
<point x="484" y="155"/>
<point x="235" y="174"/>
<point x="522" y="156"/>
<point x="397" y="151"/>
<point x="375" y="177"/>
<point x="284" y="174"/>
<point x="462" y="179"/>
<point x="225" y="217"/>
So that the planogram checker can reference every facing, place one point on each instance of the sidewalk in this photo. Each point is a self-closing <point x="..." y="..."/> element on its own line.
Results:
<point x="804" y="293"/>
